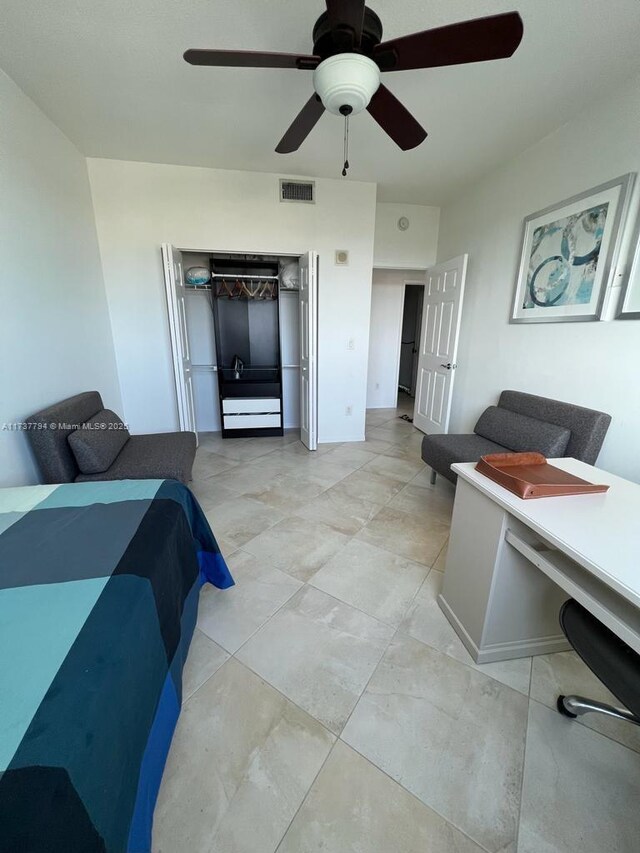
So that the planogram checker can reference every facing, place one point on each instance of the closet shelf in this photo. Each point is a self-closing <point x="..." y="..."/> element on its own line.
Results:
<point x="246" y="277"/>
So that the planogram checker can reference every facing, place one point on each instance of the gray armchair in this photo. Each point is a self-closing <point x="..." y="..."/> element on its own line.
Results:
<point x="77" y="449"/>
<point x="521" y="422"/>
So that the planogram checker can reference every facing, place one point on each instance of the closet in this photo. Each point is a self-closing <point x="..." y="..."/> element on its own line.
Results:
<point x="239" y="366"/>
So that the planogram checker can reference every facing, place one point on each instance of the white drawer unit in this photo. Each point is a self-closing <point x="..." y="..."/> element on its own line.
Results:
<point x="260" y="421"/>
<point x="251" y="405"/>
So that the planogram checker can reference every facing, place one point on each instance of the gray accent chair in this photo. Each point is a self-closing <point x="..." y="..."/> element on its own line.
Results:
<point x="521" y="422"/>
<point x="167" y="455"/>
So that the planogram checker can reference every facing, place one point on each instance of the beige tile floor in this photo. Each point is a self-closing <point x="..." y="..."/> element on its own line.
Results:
<point x="328" y="705"/>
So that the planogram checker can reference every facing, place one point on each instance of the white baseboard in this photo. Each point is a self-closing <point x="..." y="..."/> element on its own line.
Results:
<point x="503" y="651"/>
<point x="341" y="439"/>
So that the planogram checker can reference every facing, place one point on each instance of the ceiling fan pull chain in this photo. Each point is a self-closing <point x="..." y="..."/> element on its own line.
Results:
<point x="346" y="146"/>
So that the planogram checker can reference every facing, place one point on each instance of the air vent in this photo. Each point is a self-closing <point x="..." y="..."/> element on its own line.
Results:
<point x="301" y="192"/>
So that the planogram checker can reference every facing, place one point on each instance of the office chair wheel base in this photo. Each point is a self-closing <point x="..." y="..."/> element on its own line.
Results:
<point x="563" y="710"/>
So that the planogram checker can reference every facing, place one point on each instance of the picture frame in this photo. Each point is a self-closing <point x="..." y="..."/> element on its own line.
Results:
<point x="569" y="255"/>
<point x="629" y="305"/>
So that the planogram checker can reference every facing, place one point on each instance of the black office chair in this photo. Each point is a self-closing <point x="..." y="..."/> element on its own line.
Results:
<point x="608" y="657"/>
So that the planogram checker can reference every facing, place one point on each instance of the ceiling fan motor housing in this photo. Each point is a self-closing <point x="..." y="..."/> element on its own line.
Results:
<point x="329" y="39"/>
<point x="346" y="82"/>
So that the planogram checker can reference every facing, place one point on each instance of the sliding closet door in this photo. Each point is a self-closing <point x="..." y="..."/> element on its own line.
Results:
<point x="176" y="308"/>
<point x="309" y="350"/>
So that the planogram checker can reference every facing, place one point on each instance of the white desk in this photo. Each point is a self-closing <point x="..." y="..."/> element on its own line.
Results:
<point x="511" y="563"/>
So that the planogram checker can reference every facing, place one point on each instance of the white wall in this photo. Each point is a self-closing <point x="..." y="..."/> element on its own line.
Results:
<point x="387" y="300"/>
<point x="414" y="248"/>
<point x="138" y="206"/>
<point x="592" y="364"/>
<point x="55" y="337"/>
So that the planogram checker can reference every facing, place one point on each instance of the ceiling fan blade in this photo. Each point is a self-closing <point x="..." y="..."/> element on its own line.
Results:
<point x="496" y="37"/>
<point x="250" y="59"/>
<point x="301" y="126"/>
<point x="396" y="120"/>
<point x="347" y="14"/>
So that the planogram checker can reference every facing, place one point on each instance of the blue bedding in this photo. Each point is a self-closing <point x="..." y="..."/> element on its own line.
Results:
<point x="99" y="586"/>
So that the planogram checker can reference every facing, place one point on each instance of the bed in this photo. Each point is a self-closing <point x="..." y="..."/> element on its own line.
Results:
<point x="99" y="586"/>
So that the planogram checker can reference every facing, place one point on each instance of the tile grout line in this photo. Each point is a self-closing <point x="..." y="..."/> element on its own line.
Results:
<point x="280" y="693"/>
<point x="286" y="698"/>
<point x="397" y="782"/>
<point x="524" y="768"/>
<point x="226" y="651"/>
<point x="417" y="798"/>
<point x="395" y="634"/>
<point x="260" y="627"/>
<point x="239" y="463"/>
<point x="307" y="583"/>
<point x="308" y="791"/>
<point x="470" y="666"/>
<point x="350" y="539"/>
<point x="351" y="536"/>
<point x="588" y="728"/>
<point x="338" y="601"/>
<point x="266" y="622"/>
<point x="364" y="690"/>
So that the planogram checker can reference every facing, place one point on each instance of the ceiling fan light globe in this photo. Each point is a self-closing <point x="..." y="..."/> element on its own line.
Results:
<point x="346" y="80"/>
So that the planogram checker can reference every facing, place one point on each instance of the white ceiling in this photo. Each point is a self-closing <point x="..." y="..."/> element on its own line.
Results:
<point x="110" y="73"/>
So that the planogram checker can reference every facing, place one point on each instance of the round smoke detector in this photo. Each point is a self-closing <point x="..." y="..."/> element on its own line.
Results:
<point x="403" y="223"/>
<point x="346" y="82"/>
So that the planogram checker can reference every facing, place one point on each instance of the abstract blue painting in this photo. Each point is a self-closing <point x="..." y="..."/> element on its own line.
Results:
<point x="568" y="255"/>
<point x="564" y="259"/>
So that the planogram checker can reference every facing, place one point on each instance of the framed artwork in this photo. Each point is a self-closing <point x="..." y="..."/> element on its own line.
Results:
<point x="629" y="308"/>
<point x="569" y="255"/>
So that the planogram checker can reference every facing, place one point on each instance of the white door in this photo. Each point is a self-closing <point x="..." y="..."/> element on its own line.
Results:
<point x="309" y="350"/>
<point x="441" y="314"/>
<point x="176" y="308"/>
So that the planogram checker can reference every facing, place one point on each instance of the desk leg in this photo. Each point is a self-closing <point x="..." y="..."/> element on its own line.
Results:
<point x="500" y="604"/>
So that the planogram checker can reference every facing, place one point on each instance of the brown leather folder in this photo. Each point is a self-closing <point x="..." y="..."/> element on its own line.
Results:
<point x="529" y="475"/>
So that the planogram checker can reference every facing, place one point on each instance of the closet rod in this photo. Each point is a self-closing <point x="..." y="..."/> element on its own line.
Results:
<point x="232" y="276"/>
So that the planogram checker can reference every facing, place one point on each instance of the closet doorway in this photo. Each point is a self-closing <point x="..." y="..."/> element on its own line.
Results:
<point x="243" y="331"/>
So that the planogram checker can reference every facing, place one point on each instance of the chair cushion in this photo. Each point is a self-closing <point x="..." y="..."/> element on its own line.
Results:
<point x="441" y="451"/>
<point x="161" y="456"/>
<point x="522" y="433"/>
<point x="97" y="443"/>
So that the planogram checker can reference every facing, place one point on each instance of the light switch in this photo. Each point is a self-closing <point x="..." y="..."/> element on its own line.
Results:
<point x="351" y="343"/>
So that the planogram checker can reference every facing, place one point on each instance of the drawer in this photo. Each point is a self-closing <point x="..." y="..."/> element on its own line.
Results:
<point x="251" y="421"/>
<point x="250" y="405"/>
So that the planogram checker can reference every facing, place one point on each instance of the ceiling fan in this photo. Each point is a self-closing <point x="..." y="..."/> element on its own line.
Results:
<point x="349" y="55"/>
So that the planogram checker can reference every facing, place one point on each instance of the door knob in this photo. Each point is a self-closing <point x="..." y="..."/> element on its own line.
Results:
<point x="449" y="366"/>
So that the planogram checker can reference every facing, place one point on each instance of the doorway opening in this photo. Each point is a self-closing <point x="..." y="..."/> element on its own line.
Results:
<point x="387" y="332"/>
<point x="413" y="341"/>
<point x="410" y="344"/>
